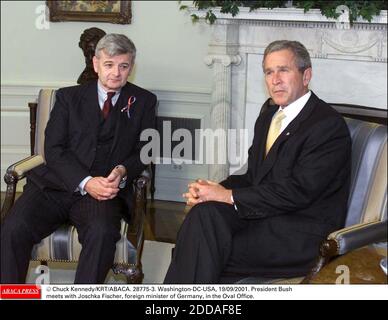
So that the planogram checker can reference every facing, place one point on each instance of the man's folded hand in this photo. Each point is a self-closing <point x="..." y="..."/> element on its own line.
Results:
<point x="101" y="188"/>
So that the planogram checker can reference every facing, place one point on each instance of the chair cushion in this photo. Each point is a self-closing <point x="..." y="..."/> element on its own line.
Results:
<point x="63" y="245"/>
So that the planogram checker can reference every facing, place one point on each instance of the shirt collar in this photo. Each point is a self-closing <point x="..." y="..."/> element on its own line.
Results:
<point x="102" y="95"/>
<point x="293" y="109"/>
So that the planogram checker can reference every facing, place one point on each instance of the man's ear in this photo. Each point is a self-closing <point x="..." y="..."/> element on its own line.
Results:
<point x="307" y="74"/>
<point x="95" y="64"/>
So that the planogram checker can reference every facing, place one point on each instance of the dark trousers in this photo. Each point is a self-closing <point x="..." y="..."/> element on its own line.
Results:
<point x="211" y="242"/>
<point x="36" y="214"/>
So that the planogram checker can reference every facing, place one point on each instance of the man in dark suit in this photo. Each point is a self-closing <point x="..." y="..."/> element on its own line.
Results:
<point x="92" y="153"/>
<point x="270" y="221"/>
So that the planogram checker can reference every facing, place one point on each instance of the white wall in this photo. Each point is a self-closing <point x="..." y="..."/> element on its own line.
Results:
<point x="169" y="62"/>
<point x="170" y="48"/>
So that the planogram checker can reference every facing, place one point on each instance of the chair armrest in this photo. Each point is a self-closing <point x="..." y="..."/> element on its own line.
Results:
<point x="147" y="173"/>
<point x="136" y="225"/>
<point x="20" y="168"/>
<point x="141" y="182"/>
<point x="358" y="235"/>
<point x="348" y="239"/>
<point x="13" y="175"/>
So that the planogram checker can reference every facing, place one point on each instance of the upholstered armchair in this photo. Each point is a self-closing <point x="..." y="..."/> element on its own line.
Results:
<point x="63" y="245"/>
<point x="366" y="221"/>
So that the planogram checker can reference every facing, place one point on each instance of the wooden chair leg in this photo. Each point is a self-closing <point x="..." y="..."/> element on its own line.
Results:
<point x="33" y="107"/>
<point x="153" y="168"/>
<point x="327" y="250"/>
<point x="133" y="274"/>
<point x="11" y="180"/>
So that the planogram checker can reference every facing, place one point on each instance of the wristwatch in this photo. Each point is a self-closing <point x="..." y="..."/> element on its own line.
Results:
<point x="123" y="179"/>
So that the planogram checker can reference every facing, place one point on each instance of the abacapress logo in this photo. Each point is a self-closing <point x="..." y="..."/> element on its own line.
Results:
<point x="20" y="292"/>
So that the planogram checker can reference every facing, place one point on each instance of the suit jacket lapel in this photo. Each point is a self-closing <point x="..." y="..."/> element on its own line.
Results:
<point x="90" y="108"/>
<point x="121" y="103"/>
<point x="258" y="148"/>
<point x="270" y="159"/>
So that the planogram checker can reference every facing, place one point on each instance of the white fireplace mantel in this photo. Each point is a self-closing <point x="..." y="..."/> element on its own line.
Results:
<point x="349" y="63"/>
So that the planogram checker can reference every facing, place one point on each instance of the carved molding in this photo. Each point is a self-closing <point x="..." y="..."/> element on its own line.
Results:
<point x="252" y="31"/>
<point x="221" y="106"/>
<point x="353" y="46"/>
<point x="301" y="24"/>
<point x="220" y="109"/>
<point x="350" y="45"/>
<point x="225" y="60"/>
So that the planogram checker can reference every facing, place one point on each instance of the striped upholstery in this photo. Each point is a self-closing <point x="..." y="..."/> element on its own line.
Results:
<point x="46" y="102"/>
<point x="63" y="245"/>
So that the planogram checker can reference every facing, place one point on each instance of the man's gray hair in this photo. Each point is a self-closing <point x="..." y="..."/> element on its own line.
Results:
<point x="302" y="56"/>
<point x="115" y="44"/>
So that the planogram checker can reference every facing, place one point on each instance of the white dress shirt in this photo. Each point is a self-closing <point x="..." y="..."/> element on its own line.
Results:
<point x="102" y="95"/>
<point x="293" y="109"/>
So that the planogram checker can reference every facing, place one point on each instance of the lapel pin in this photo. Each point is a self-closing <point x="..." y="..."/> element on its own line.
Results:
<point x="287" y="134"/>
<point x="131" y="101"/>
